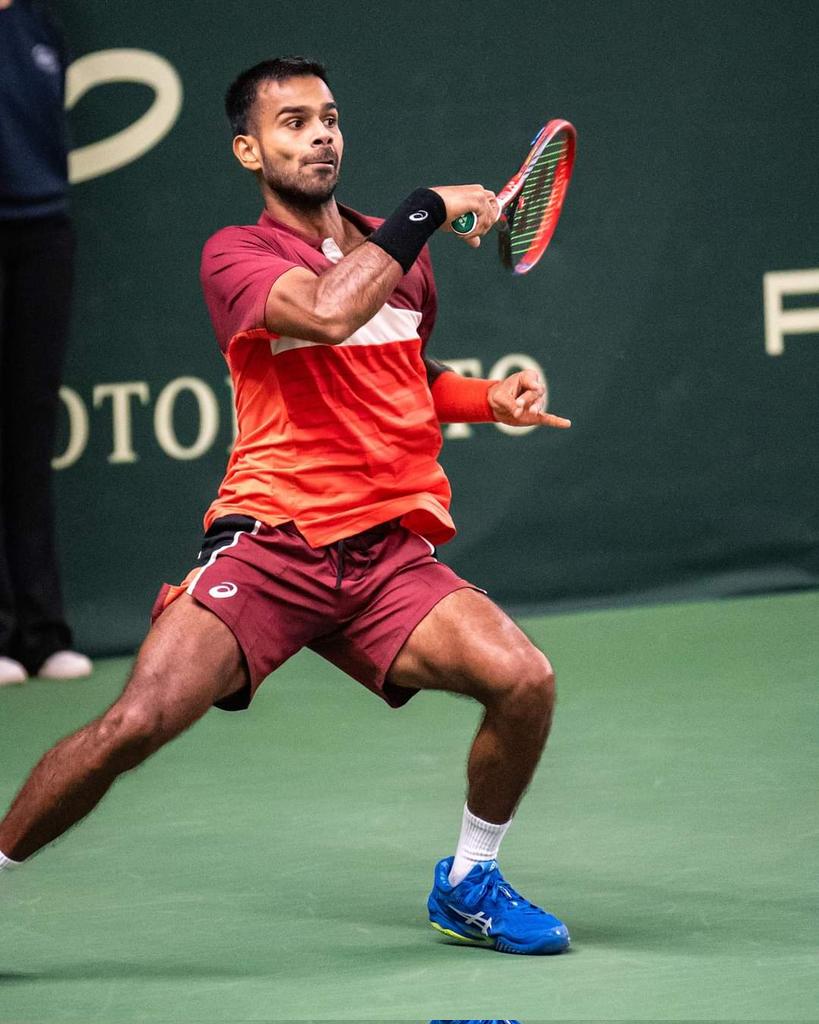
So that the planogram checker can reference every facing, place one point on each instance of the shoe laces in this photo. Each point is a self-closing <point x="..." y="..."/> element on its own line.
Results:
<point x="496" y="887"/>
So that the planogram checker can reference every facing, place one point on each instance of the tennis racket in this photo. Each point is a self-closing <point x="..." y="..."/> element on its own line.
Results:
<point x="529" y="204"/>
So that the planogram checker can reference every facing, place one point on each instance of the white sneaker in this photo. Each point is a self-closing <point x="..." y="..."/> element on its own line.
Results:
<point x="65" y="665"/>
<point x="11" y="672"/>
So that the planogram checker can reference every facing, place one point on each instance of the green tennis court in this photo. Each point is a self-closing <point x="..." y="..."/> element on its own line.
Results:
<point x="274" y="865"/>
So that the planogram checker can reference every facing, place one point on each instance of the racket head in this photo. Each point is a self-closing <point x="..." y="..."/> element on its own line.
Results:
<point x="533" y="199"/>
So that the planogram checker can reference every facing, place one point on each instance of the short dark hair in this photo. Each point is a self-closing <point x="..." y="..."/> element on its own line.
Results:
<point x="242" y="92"/>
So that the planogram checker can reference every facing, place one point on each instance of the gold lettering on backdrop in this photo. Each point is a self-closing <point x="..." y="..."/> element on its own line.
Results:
<point x="78" y="429"/>
<point x="122" y="427"/>
<point x="780" y="321"/>
<point x="123" y="65"/>
<point x="208" y="418"/>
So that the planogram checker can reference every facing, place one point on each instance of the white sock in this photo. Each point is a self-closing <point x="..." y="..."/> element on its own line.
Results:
<point x="479" y="841"/>
<point x="6" y="863"/>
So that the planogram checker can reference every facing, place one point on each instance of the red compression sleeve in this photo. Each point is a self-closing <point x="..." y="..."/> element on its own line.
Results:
<point x="462" y="399"/>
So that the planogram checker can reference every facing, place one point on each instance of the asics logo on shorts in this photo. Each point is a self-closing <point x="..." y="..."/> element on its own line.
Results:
<point x="419" y="215"/>
<point x="224" y="590"/>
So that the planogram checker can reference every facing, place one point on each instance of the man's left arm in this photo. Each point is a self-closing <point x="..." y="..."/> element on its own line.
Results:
<point x="518" y="400"/>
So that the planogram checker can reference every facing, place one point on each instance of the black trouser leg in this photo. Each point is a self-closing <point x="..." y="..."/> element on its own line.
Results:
<point x="37" y="270"/>
<point x="8" y="617"/>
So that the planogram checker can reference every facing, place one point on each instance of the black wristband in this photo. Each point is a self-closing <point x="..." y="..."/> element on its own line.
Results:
<point x="406" y="231"/>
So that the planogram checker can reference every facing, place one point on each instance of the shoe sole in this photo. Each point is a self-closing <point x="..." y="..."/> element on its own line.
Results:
<point x="466" y="939"/>
<point x="500" y="944"/>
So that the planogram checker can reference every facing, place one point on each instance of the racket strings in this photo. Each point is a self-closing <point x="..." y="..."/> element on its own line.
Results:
<point x="539" y="199"/>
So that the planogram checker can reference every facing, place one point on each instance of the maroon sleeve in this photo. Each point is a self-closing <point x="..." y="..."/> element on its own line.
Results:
<point x="239" y="267"/>
<point x="429" y="299"/>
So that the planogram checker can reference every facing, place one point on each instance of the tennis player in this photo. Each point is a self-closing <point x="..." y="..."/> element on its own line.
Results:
<point x="323" y="531"/>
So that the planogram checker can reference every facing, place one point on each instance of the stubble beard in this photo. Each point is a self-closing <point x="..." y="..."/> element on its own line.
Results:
<point x="298" y="191"/>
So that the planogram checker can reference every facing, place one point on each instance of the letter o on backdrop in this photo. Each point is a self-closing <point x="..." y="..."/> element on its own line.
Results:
<point x="123" y="65"/>
<point x="78" y="429"/>
<point x="208" y="409"/>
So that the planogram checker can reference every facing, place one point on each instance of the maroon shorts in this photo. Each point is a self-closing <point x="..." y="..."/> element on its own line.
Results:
<point x="354" y="602"/>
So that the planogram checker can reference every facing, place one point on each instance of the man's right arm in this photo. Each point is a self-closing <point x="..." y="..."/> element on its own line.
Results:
<point x="329" y="307"/>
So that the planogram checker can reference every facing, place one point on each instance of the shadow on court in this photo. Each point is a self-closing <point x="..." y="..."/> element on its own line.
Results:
<point x="101" y="970"/>
<point x="695" y="923"/>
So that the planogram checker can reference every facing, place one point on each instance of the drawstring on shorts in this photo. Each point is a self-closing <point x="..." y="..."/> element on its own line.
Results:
<point x="340" y="563"/>
<point x="361" y="547"/>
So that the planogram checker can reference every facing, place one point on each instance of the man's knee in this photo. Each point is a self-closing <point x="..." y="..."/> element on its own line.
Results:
<point x="525" y="680"/>
<point x="535" y="677"/>
<point x="130" y="732"/>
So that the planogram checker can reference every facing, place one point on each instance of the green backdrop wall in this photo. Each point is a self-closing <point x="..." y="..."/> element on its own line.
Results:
<point x="692" y="464"/>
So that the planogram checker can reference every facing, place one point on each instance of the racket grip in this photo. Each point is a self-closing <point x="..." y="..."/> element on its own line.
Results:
<point x="464" y="224"/>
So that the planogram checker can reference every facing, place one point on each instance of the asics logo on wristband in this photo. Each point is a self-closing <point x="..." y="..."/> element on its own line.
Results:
<point x="406" y="231"/>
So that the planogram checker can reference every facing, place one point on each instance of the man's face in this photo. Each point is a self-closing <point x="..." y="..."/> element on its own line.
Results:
<point x="295" y="123"/>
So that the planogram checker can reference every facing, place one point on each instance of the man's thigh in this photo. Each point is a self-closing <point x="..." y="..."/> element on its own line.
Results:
<point x="466" y="645"/>
<point x="400" y="583"/>
<point x="189" y="659"/>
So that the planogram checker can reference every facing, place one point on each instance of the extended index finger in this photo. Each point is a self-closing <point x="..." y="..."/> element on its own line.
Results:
<point x="547" y="419"/>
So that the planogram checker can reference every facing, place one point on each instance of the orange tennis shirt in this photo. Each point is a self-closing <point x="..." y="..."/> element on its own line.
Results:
<point x="335" y="438"/>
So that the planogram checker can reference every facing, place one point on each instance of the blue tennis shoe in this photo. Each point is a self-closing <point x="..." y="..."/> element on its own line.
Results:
<point x="484" y="910"/>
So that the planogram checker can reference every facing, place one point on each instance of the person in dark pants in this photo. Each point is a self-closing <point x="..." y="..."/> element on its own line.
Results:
<point x="36" y="271"/>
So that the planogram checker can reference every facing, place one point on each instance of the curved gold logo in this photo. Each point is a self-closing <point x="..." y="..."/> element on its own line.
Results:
<point x="129" y="144"/>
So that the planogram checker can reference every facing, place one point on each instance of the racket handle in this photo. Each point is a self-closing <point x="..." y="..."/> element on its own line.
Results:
<point x="464" y="224"/>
